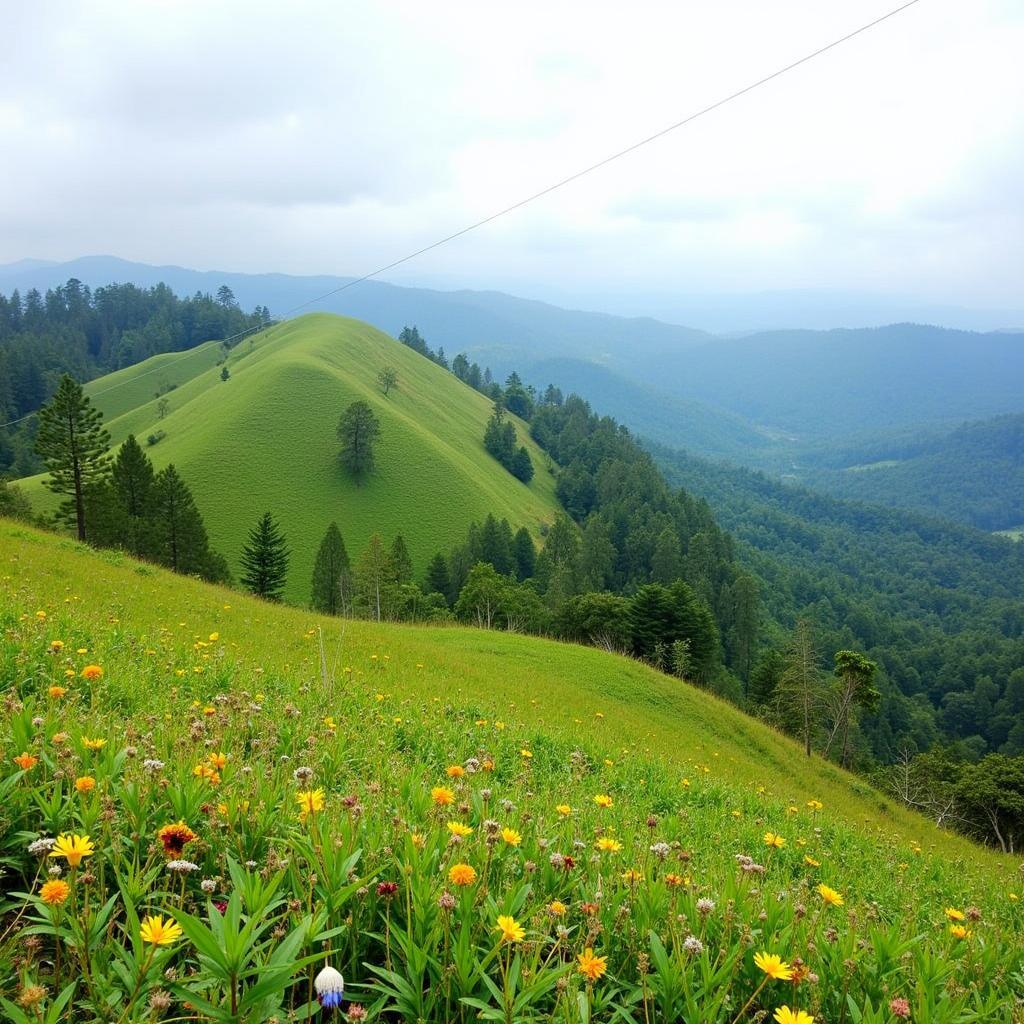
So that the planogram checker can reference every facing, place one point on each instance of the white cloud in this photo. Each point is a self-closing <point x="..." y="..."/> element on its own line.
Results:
<point x="327" y="137"/>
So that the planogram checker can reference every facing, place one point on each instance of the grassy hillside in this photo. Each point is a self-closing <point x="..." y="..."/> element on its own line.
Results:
<point x="198" y="677"/>
<point x="265" y="440"/>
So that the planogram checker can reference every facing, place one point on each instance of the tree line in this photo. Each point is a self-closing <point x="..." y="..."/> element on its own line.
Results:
<point x="85" y="333"/>
<point x="121" y="501"/>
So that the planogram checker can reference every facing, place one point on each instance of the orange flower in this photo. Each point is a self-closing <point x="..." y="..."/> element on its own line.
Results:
<point x="442" y="796"/>
<point x="57" y="691"/>
<point x="455" y="771"/>
<point x="54" y="892"/>
<point x="461" y="874"/>
<point x="25" y="761"/>
<point x="218" y="761"/>
<point x="85" y="783"/>
<point x="92" y="673"/>
<point x="590" y="966"/>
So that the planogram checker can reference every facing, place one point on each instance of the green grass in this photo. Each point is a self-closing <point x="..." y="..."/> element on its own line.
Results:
<point x="266" y="440"/>
<point x="378" y="713"/>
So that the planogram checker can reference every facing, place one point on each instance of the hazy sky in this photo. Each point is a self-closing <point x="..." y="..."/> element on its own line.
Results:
<point x="328" y="137"/>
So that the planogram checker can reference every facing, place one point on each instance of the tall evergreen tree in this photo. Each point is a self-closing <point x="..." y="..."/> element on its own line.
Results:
<point x="179" y="536"/>
<point x="73" y="444"/>
<point x="438" y="579"/>
<point x="358" y="430"/>
<point x="799" y="693"/>
<point x="332" y="576"/>
<point x="265" y="560"/>
<point x="376" y="583"/>
<point x="132" y="478"/>
<point x="524" y="554"/>
<point x="494" y="545"/>
<point x="401" y="560"/>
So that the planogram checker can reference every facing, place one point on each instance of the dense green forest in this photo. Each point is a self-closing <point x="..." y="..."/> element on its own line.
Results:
<point x="937" y="605"/>
<point x="973" y="474"/>
<point x="75" y="330"/>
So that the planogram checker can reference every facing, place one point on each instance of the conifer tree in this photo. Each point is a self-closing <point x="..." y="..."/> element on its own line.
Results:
<point x="265" y="560"/>
<point x="400" y="560"/>
<point x="376" y="583"/>
<point x="438" y="579"/>
<point x="332" y="576"/>
<point x="524" y="555"/>
<point x="132" y="478"/>
<point x="799" y="694"/>
<point x="179" y="536"/>
<point x="73" y="444"/>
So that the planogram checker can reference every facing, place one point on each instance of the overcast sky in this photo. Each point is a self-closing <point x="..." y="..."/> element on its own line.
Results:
<point x="326" y="137"/>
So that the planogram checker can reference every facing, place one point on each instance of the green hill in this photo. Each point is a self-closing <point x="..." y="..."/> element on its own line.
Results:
<point x="170" y="700"/>
<point x="265" y="440"/>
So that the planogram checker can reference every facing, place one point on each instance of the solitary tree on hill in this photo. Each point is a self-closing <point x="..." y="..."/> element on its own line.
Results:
<point x="73" y="444"/>
<point x="265" y="560"/>
<point x="332" y="576"/>
<point x="358" y="430"/>
<point x="387" y="379"/>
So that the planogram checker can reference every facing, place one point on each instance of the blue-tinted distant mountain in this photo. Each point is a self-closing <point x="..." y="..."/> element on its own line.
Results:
<point x="506" y="331"/>
<point x="652" y="413"/>
<point x="830" y="384"/>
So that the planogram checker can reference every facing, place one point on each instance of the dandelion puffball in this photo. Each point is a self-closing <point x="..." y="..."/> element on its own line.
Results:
<point x="330" y="987"/>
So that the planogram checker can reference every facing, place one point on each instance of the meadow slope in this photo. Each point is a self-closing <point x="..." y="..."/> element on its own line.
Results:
<point x="266" y="440"/>
<point x="457" y="820"/>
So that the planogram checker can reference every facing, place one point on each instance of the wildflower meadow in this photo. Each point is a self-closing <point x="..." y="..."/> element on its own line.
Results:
<point x="210" y="813"/>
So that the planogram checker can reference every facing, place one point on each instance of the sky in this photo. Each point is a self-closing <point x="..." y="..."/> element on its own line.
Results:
<point x="334" y="137"/>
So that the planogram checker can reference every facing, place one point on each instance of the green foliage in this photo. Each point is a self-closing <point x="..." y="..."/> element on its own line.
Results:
<point x="362" y="882"/>
<point x="73" y="445"/>
<point x="332" y="575"/>
<point x="358" y="430"/>
<point x="934" y="604"/>
<point x="265" y="560"/>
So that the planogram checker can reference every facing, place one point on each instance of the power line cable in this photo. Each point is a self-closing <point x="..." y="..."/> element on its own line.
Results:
<point x="536" y="195"/>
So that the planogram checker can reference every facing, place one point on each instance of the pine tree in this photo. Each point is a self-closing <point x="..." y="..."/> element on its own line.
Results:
<point x="400" y="560"/>
<point x="495" y="547"/>
<point x="132" y="477"/>
<point x="376" y="584"/>
<point x="524" y="555"/>
<point x="358" y="430"/>
<point x="73" y="444"/>
<point x="179" y="536"/>
<point x="438" y="579"/>
<point x="799" y="693"/>
<point x="332" y="576"/>
<point x="265" y="560"/>
<point x="521" y="466"/>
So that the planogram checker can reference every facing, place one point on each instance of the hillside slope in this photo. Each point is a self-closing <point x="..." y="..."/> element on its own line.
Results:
<point x="266" y="440"/>
<point x="416" y="794"/>
<point x="552" y="688"/>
